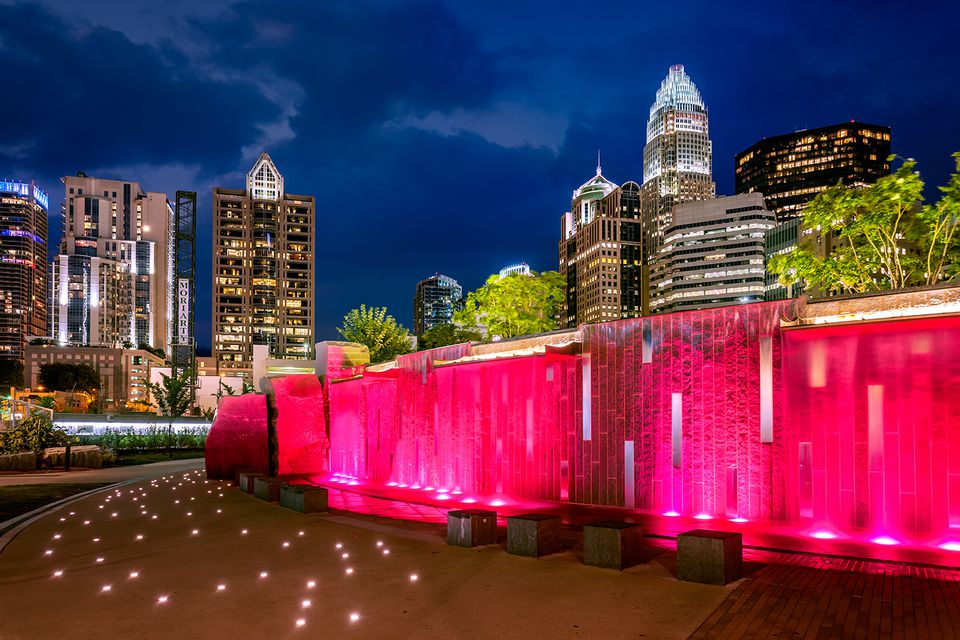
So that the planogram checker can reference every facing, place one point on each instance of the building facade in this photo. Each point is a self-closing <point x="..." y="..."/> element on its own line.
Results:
<point x="677" y="158"/>
<point x="111" y="281"/>
<point x="123" y="372"/>
<point x="435" y="301"/>
<point x="23" y="266"/>
<point x="263" y="273"/>
<point x="712" y="254"/>
<point x="782" y="238"/>
<point x="601" y="252"/>
<point x="791" y="169"/>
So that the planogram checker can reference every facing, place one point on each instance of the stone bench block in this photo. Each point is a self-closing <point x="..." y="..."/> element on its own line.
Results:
<point x="266" y="488"/>
<point x="533" y="535"/>
<point x="612" y="545"/>
<point x="303" y="498"/>
<point x="246" y="480"/>
<point x="471" y="527"/>
<point x="709" y="557"/>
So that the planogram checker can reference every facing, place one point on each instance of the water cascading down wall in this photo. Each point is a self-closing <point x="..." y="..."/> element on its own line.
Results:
<point x="719" y="413"/>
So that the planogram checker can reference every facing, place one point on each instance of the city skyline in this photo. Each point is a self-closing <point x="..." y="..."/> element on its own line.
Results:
<point x="472" y="124"/>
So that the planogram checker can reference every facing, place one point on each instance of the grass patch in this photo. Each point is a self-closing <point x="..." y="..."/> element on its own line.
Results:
<point x="147" y="457"/>
<point x="18" y="499"/>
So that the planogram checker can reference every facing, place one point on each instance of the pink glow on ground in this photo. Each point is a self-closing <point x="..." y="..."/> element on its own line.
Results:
<point x="703" y="516"/>
<point x="886" y="541"/>
<point x="823" y="535"/>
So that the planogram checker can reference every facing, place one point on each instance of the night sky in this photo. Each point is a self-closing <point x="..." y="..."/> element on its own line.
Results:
<point x="443" y="136"/>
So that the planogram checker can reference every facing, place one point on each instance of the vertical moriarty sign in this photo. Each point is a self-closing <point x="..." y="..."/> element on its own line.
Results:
<point x="183" y="310"/>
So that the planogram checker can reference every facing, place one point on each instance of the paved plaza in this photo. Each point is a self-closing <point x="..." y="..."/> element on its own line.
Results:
<point x="170" y="554"/>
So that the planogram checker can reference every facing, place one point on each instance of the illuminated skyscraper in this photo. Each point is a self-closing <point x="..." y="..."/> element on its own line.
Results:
<point x="435" y="301"/>
<point x="678" y="156"/>
<point x="23" y="266"/>
<point x="601" y="252"/>
<point x="263" y="275"/>
<point x="791" y="169"/>
<point x="110" y="283"/>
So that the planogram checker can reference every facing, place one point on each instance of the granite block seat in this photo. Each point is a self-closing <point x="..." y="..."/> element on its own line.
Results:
<point x="533" y="534"/>
<point x="246" y="480"/>
<point x="266" y="488"/>
<point x="709" y="557"/>
<point x="612" y="545"/>
<point x="471" y="527"/>
<point x="303" y="498"/>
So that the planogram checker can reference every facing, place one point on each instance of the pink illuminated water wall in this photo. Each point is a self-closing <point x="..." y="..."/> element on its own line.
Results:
<point x="720" y="413"/>
<point x="873" y="427"/>
<point x="665" y="413"/>
<point x="238" y="438"/>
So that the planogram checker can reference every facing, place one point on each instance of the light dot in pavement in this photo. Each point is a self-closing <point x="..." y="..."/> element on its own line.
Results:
<point x="243" y="532"/>
<point x="344" y="555"/>
<point x="349" y="571"/>
<point x="219" y="510"/>
<point x="105" y="587"/>
<point x="263" y="574"/>
<point x="195" y="532"/>
<point x="300" y="533"/>
<point x="153" y="517"/>
<point x="96" y="539"/>
<point x="56" y="536"/>
<point x="134" y="574"/>
<point x="73" y="513"/>
<point x="354" y="617"/>
<point x="311" y="584"/>
<point x="100" y="507"/>
<point x="339" y="545"/>
<point x="48" y="552"/>
<point x="113" y="515"/>
<point x="379" y="543"/>
<point x="386" y="552"/>
<point x="139" y="536"/>
<point x="304" y="604"/>
<point x="301" y="622"/>
<point x="63" y="519"/>
<point x="189" y="513"/>
<point x="286" y="544"/>
<point x="86" y="522"/>
<point x="99" y="559"/>
<point x="221" y="587"/>
<point x="414" y="577"/>
<point x="176" y="502"/>
<point x="57" y="573"/>
<point x="162" y="599"/>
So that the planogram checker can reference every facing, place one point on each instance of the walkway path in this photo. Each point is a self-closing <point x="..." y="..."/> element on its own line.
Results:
<point x="178" y="557"/>
<point x="109" y="474"/>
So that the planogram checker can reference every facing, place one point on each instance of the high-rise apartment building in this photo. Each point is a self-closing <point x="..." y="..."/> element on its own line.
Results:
<point x="23" y="266"/>
<point x="263" y="275"/>
<point x="712" y="254"/>
<point x="678" y="156"/>
<point x="791" y="169"/>
<point x="110" y="283"/>
<point x="435" y="301"/>
<point x="601" y="252"/>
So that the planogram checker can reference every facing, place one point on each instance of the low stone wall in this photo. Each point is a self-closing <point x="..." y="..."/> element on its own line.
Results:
<point x="18" y="462"/>
<point x="88" y="456"/>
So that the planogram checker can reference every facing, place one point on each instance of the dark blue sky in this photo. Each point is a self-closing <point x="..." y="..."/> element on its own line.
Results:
<point x="443" y="136"/>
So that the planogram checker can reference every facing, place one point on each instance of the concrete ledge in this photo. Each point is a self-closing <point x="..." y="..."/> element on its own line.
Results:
<point x="85" y="456"/>
<point x="471" y="527"/>
<point x="246" y="480"/>
<point x="709" y="557"/>
<point x="266" y="488"/>
<point x="612" y="545"/>
<point x="533" y="535"/>
<point x="303" y="498"/>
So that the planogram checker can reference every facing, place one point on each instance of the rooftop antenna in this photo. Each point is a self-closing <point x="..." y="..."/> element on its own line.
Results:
<point x="598" y="161"/>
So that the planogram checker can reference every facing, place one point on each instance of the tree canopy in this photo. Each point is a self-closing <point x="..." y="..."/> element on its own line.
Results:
<point x="515" y="305"/>
<point x="11" y="374"/>
<point x="69" y="376"/>
<point x="877" y="237"/>
<point x="379" y="331"/>
<point x="444" y="335"/>
<point x="173" y="393"/>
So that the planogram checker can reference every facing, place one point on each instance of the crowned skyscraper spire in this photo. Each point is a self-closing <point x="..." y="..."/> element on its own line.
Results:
<point x="677" y="159"/>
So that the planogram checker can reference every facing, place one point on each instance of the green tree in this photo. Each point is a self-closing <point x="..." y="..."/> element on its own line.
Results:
<point x="516" y="305"/>
<point x="173" y="393"/>
<point x="34" y="433"/>
<point x="69" y="376"/>
<point x="146" y="347"/>
<point x="379" y="331"/>
<point x="444" y="335"/>
<point x="11" y="374"/>
<point x="877" y="237"/>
